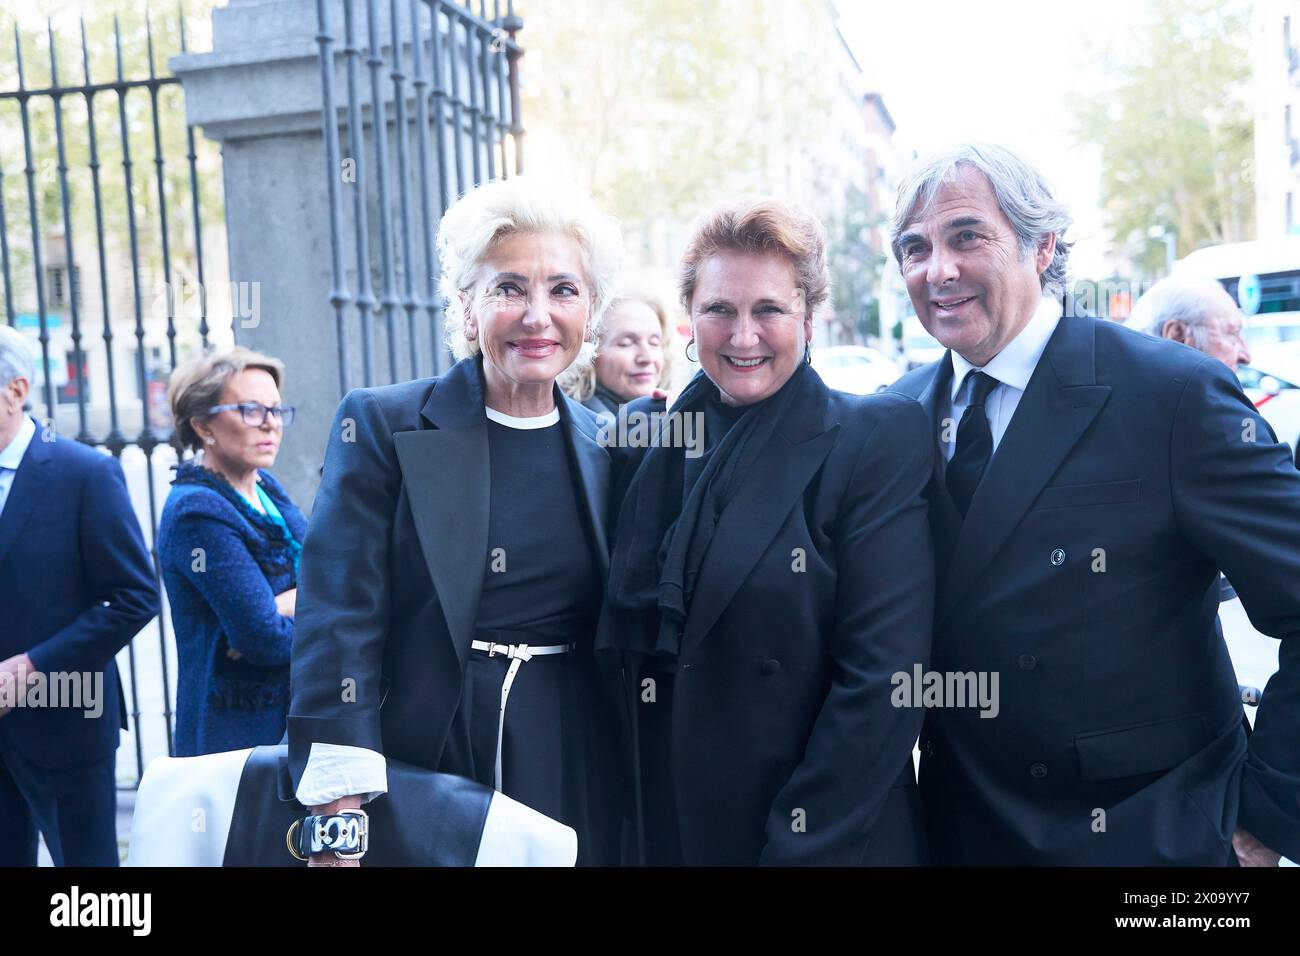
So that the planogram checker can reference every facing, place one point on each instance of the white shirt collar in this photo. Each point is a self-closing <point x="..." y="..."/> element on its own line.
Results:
<point x="1015" y="364"/>
<point x="511" y="421"/>
<point x="12" y="456"/>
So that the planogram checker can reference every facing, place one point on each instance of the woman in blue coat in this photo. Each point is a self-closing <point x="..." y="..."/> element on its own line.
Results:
<point x="229" y="542"/>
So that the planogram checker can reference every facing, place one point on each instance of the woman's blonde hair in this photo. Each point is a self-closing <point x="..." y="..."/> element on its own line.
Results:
<point x="579" y="382"/>
<point x="492" y="211"/>
<point x="196" y="385"/>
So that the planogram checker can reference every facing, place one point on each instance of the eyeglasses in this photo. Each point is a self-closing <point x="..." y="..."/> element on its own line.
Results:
<point x="255" y="413"/>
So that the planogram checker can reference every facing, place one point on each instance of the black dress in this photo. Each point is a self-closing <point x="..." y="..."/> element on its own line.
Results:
<point x="541" y="587"/>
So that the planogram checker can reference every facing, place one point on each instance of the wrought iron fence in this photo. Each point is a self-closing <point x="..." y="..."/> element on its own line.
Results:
<point x="82" y="330"/>
<point x="454" y="91"/>
<point x="467" y="129"/>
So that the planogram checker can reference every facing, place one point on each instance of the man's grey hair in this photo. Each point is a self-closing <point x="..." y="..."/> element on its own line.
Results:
<point x="1023" y="193"/>
<point x="1175" y="298"/>
<point x="15" y="357"/>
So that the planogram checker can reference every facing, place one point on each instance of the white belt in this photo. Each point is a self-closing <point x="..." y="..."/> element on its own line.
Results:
<point x="518" y="653"/>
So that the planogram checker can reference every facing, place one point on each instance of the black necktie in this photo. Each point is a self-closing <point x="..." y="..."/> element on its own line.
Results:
<point x="974" y="444"/>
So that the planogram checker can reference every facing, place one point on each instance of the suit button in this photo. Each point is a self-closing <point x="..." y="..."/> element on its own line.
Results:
<point x="1058" y="557"/>
<point x="771" y="666"/>
<point x="1038" y="770"/>
<point x="686" y="667"/>
<point x="927" y="748"/>
<point x="1027" y="662"/>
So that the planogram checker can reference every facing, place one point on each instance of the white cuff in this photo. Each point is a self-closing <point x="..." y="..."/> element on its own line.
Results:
<point x="336" y="770"/>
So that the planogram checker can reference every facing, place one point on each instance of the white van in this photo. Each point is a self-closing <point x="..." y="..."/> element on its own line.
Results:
<point x="1264" y="278"/>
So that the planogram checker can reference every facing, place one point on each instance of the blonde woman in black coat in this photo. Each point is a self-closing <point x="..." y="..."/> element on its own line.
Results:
<point x="457" y="555"/>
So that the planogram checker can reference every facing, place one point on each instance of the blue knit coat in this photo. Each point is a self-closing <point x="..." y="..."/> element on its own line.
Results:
<point x="223" y="563"/>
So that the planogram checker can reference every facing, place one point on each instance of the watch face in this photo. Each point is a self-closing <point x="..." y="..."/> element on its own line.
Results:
<point x="341" y="833"/>
<point x="344" y="833"/>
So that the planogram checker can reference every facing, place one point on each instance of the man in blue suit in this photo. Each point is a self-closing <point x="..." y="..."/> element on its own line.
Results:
<point x="1091" y="483"/>
<point x="76" y="585"/>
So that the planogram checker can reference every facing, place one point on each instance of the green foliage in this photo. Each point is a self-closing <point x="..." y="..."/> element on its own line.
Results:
<point x="660" y="108"/>
<point x="1174" y="126"/>
<point x="855" y="266"/>
<point x="676" y="102"/>
<point x="110" y="112"/>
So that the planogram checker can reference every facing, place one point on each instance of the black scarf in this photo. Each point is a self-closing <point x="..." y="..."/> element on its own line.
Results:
<point x="607" y="398"/>
<point x="662" y="539"/>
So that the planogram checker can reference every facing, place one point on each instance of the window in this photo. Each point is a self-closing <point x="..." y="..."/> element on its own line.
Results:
<point x="1279" y="291"/>
<point x="154" y="369"/>
<point x="56" y="286"/>
<point x="77" y="380"/>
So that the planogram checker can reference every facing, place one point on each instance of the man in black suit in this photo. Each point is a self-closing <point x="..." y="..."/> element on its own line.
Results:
<point x="76" y="585"/>
<point x="1091" y="483"/>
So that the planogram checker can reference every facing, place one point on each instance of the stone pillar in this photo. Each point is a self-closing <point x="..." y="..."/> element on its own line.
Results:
<point x="258" y="94"/>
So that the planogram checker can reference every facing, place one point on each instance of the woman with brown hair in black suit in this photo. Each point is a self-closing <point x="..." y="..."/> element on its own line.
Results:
<point x="764" y="593"/>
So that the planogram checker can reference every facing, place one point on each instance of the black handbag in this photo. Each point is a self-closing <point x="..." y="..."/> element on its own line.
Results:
<point x="425" y="819"/>
<point x="210" y="811"/>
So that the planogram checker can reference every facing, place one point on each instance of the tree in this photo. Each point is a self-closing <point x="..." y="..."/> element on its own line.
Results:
<point x="660" y="107"/>
<point x="99" y="27"/>
<point x="855" y="267"/>
<point x="1174" y="127"/>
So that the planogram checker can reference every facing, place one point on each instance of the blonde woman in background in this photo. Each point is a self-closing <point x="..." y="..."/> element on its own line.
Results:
<point x="634" y="356"/>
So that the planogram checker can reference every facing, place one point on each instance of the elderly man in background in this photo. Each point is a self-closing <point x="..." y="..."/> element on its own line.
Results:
<point x="75" y="586"/>
<point x="1197" y="312"/>
<point x="1090" y="484"/>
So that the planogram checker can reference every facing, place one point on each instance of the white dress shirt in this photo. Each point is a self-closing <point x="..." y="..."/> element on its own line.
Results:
<point x="336" y="770"/>
<point x="1012" y="367"/>
<point x="12" y="456"/>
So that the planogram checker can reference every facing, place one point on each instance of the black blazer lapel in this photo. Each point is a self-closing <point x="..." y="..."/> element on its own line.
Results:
<point x="445" y="469"/>
<point x="592" y="463"/>
<point x="22" y="493"/>
<point x="753" y="517"/>
<point x="1059" y="404"/>
<point x="945" y="519"/>
<point x="932" y="396"/>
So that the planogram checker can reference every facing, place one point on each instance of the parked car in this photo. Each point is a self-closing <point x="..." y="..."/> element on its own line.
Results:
<point x="855" y="368"/>
<point x="920" y="347"/>
<point x="1272" y="382"/>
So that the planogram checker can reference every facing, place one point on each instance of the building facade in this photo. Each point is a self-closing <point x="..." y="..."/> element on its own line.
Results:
<point x="1276" y="55"/>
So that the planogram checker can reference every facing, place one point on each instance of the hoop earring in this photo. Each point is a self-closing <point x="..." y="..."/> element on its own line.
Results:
<point x="807" y="353"/>
<point x="692" y="358"/>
